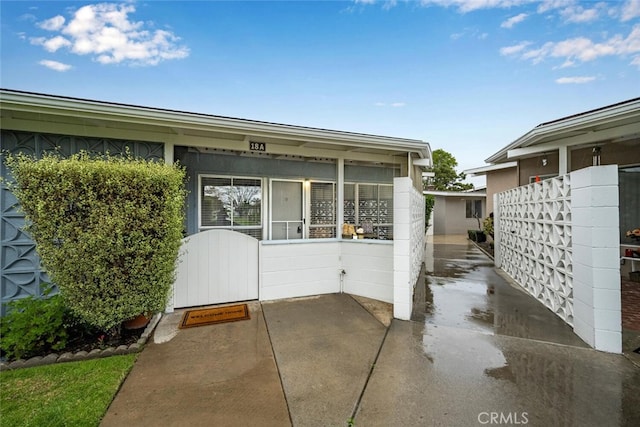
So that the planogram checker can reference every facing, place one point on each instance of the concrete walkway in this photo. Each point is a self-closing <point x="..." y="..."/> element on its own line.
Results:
<point x="478" y="351"/>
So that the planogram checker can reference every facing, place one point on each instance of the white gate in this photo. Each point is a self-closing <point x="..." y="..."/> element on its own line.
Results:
<point x="216" y="266"/>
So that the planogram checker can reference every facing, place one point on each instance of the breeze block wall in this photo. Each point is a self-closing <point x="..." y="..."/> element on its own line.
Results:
<point x="408" y="244"/>
<point x="559" y="240"/>
<point x="534" y="241"/>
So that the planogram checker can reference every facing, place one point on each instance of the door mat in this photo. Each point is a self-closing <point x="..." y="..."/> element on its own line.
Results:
<point x="210" y="316"/>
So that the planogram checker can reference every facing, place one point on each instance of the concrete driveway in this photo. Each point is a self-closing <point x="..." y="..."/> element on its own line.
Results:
<point x="477" y="352"/>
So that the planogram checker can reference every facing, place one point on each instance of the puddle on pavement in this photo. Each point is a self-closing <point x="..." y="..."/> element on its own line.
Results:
<point x="462" y="289"/>
<point x="468" y="314"/>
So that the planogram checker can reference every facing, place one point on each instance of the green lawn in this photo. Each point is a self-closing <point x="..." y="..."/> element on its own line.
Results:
<point x="65" y="394"/>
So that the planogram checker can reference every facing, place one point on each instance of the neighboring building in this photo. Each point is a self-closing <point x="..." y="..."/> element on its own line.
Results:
<point x="564" y="195"/>
<point x="455" y="212"/>
<point x="267" y="202"/>
<point x="499" y="177"/>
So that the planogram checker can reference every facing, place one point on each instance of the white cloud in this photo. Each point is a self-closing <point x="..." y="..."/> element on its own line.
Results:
<point x="465" y="6"/>
<point x="27" y="17"/>
<point x="52" y="44"/>
<point x="398" y="104"/>
<point x="580" y="48"/>
<point x="630" y="10"/>
<point x="515" y="49"/>
<point x="55" y="65"/>
<point x="106" y="32"/>
<point x="509" y="23"/>
<point x="52" y="24"/>
<point x="575" y="80"/>
<point x="578" y="14"/>
<point x="547" y="5"/>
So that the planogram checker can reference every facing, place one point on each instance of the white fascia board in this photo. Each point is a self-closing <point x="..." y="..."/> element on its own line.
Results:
<point x="31" y="102"/>
<point x="463" y="194"/>
<point x="571" y="124"/>
<point x="489" y="168"/>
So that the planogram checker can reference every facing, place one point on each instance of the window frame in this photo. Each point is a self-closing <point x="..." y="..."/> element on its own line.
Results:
<point x="309" y="213"/>
<point x="239" y="228"/>
<point x="376" y="225"/>
<point x="473" y="208"/>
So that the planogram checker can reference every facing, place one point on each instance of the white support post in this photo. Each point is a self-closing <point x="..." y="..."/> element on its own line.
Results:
<point x="596" y="265"/>
<point x="497" y="255"/>
<point x="168" y="153"/>
<point x="402" y="286"/>
<point x="340" y="197"/>
<point x="564" y="161"/>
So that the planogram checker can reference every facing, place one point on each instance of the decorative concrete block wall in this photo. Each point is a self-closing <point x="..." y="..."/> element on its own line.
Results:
<point x="408" y="244"/>
<point x="559" y="240"/>
<point x="596" y="257"/>
<point x="534" y="241"/>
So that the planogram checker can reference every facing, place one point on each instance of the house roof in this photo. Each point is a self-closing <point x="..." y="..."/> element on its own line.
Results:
<point x="461" y="194"/>
<point x="612" y="123"/>
<point x="482" y="170"/>
<point x="19" y="107"/>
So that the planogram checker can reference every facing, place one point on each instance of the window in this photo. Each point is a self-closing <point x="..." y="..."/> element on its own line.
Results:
<point x="538" y="178"/>
<point x="474" y="208"/>
<point x="231" y="203"/>
<point x="322" y="216"/>
<point x="370" y="206"/>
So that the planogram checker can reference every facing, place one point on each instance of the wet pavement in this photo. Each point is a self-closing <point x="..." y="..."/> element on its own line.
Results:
<point x="478" y="351"/>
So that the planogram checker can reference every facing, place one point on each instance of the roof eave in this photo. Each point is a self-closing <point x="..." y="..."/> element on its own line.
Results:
<point x="597" y="117"/>
<point x="34" y="102"/>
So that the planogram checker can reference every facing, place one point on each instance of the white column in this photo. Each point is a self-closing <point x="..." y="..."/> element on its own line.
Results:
<point x="497" y="255"/>
<point x="402" y="286"/>
<point x="596" y="251"/>
<point x="564" y="161"/>
<point x="340" y="197"/>
<point x="168" y="153"/>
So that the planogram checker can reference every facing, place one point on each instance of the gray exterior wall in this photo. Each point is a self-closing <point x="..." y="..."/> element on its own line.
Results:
<point x="216" y="163"/>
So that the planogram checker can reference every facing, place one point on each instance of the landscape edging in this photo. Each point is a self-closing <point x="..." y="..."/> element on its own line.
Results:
<point x="83" y="355"/>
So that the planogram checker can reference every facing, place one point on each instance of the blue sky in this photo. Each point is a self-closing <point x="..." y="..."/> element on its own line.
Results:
<point x="466" y="76"/>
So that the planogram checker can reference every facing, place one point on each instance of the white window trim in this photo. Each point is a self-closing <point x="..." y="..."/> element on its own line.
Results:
<point x="202" y="227"/>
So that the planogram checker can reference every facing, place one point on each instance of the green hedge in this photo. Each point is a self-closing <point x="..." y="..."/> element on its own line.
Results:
<point x="108" y="230"/>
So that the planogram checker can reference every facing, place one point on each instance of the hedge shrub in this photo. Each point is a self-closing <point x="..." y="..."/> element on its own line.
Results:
<point x="108" y="230"/>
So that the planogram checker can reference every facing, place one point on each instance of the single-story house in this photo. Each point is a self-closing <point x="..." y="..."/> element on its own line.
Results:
<point x="456" y="212"/>
<point x="564" y="195"/>
<point x="272" y="208"/>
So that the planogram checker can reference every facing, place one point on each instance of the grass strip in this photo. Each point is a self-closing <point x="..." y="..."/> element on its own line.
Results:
<point x="65" y="394"/>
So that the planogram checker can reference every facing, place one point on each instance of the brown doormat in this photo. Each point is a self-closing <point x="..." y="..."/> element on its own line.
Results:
<point x="209" y="316"/>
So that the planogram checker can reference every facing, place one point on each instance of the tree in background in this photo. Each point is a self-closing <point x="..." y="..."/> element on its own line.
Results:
<point x="446" y="177"/>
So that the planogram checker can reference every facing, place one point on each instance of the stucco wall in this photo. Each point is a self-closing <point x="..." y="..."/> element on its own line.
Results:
<point x="620" y="153"/>
<point x="499" y="181"/>
<point x="449" y="215"/>
<point x="533" y="167"/>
